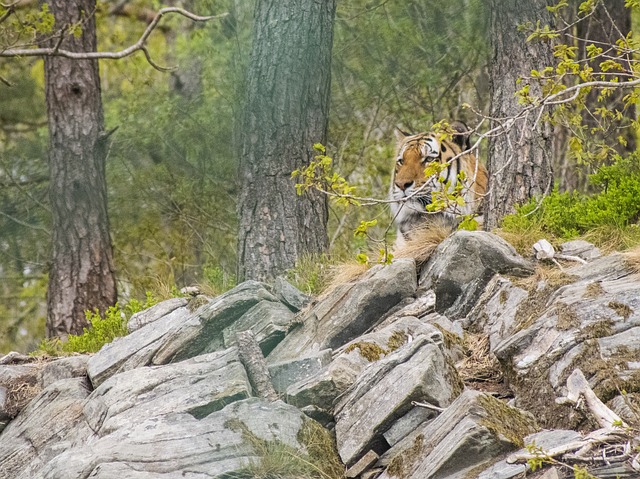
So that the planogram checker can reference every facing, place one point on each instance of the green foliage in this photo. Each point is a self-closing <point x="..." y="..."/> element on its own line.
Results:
<point x="103" y="329"/>
<point x="614" y="203"/>
<point x="311" y="273"/>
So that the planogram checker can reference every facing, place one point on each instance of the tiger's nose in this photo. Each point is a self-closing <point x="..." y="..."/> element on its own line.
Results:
<point x="404" y="185"/>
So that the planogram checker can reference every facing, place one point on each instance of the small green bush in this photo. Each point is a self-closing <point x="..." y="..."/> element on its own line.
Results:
<point x="614" y="204"/>
<point x="103" y="329"/>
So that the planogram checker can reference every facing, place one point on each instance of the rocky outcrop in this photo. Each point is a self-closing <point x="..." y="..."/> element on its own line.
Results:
<point x="369" y="378"/>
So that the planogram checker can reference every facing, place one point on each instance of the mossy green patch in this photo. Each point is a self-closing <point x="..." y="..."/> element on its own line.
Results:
<point x="397" y="339"/>
<point x="370" y="351"/>
<point x="506" y="421"/>
<point x="400" y="464"/>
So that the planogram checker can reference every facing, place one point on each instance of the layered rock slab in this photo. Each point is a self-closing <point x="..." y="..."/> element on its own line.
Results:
<point x="349" y="310"/>
<point x="472" y="430"/>
<point x="223" y="444"/>
<point x="463" y="264"/>
<point x="178" y="335"/>
<point x="385" y="391"/>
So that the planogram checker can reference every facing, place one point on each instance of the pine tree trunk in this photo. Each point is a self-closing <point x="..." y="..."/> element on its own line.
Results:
<point x="286" y="112"/>
<point x="82" y="272"/>
<point x="519" y="162"/>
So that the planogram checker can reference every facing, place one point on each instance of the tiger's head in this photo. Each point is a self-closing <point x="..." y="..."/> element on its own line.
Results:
<point x="412" y="190"/>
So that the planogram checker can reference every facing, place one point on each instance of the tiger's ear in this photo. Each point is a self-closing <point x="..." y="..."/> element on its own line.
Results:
<point x="461" y="135"/>
<point x="400" y="135"/>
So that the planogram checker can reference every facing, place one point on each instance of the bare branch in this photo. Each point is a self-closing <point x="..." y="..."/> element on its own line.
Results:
<point x="139" y="45"/>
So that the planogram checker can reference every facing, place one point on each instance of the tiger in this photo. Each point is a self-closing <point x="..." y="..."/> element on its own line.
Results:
<point x="411" y="191"/>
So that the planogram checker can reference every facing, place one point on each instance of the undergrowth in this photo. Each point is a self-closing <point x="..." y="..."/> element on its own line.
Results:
<point x="102" y="330"/>
<point x="607" y="217"/>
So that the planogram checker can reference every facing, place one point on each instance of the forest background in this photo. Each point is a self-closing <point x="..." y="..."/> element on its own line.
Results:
<point x="172" y="162"/>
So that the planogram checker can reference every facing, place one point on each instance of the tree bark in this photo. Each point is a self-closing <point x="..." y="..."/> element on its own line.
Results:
<point x="82" y="272"/>
<point x="519" y="161"/>
<point x="286" y="112"/>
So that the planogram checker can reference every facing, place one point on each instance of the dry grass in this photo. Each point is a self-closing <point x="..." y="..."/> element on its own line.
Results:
<point x="423" y="242"/>
<point x="346" y="272"/>
<point x="632" y="259"/>
<point x="479" y="364"/>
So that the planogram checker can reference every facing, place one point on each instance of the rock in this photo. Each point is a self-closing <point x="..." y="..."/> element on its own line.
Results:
<point x="51" y="422"/>
<point x="349" y="310"/>
<point x="544" y="440"/>
<point x="232" y="442"/>
<point x="63" y="368"/>
<point x="473" y="429"/>
<point x="384" y="392"/>
<point x="142" y="318"/>
<point x="295" y="299"/>
<point x="325" y="386"/>
<point x="202" y="331"/>
<point x="267" y="320"/>
<point x="586" y="317"/>
<point x="581" y="249"/>
<point x="286" y="373"/>
<point x="463" y="264"/>
<point x="368" y="460"/>
<point x="407" y="424"/>
<point x="197" y="386"/>
<point x="178" y="335"/>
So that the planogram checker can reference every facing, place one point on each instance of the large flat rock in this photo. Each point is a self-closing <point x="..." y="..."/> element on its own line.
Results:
<point x="463" y="264"/>
<point x="229" y="443"/>
<point x="178" y="335"/>
<point x="198" y="386"/>
<point x="349" y="311"/>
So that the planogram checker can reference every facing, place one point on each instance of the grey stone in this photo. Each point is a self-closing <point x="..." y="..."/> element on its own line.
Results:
<point x="287" y="373"/>
<point x="198" y="386"/>
<point x="63" y="368"/>
<point x="267" y="320"/>
<point x="544" y="439"/>
<point x="52" y="421"/>
<point x="349" y="362"/>
<point x="142" y="318"/>
<point x="178" y="335"/>
<point x="463" y="264"/>
<point x="179" y="445"/>
<point x="460" y="439"/>
<point x="349" y="310"/>
<point x="295" y="299"/>
<point x="384" y="392"/>
<point x="407" y="424"/>
<point x="581" y="249"/>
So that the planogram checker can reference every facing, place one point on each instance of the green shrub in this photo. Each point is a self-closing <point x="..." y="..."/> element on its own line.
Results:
<point x="103" y="329"/>
<point x="614" y="204"/>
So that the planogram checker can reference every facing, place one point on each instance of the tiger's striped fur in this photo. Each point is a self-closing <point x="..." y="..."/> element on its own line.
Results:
<point x="412" y="191"/>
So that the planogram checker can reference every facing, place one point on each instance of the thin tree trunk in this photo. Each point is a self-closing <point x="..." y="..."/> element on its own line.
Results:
<point x="285" y="114"/>
<point x="82" y="273"/>
<point x="519" y="161"/>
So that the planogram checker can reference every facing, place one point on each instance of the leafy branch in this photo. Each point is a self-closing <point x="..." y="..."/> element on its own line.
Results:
<point x="46" y="25"/>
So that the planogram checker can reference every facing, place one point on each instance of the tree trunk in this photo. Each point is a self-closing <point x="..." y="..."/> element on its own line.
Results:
<point x="82" y="273"/>
<point x="519" y="161"/>
<point x="287" y="108"/>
